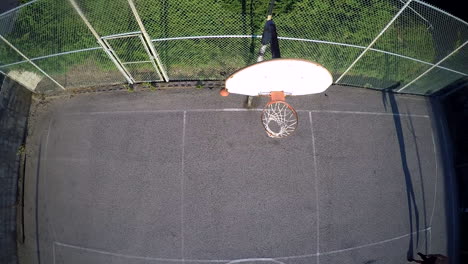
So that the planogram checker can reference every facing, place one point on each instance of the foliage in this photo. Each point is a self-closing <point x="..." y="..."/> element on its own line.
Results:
<point x="129" y="88"/>
<point x="148" y="85"/>
<point x="21" y="150"/>
<point x="52" y="26"/>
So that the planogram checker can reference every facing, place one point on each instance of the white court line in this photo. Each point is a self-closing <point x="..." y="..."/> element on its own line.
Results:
<point x="436" y="178"/>
<point x="367" y="113"/>
<point x="182" y="190"/>
<point x="125" y="112"/>
<point x="316" y="188"/>
<point x="430" y="240"/>
<point x="47" y="138"/>
<point x="67" y="159"/>
<point x="233" y="261"/>
<point x="130" y="256"/>
<point x="374" y="244"/>
<point x="50" y="223"/>
<point x="166" y="111"/>
<point x="255" y="260"/>
<point x="241" y="110"/>
<point x="357" y="247"/>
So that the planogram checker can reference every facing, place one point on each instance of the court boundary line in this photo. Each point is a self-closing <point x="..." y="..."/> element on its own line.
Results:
<point x="430" y="240"/>
<point x="182" y="184"/>
<point x="375" y="243"/>
<point x="436" y="177"/>
<point x="50" y="222"/>
<point x="254" y="259"/>
<point x="316" y="187"/>
<point x="231" y="261"/>
<point x="240" y="110"/>
<point x="53" y="253"/>
<point x="36" y="195"/>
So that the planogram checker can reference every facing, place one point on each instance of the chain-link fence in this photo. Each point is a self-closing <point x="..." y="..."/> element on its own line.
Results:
<point x="404" y="45"/>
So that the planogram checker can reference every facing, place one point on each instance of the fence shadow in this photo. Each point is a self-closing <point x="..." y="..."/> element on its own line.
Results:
<point x="250" y="29"/>
<point x="421" y="181"/>
<point x="389" y="101"/>
<point x="444" y="148"/>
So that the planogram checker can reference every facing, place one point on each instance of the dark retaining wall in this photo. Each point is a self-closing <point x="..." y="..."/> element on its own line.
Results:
<point x="15" y="101"/>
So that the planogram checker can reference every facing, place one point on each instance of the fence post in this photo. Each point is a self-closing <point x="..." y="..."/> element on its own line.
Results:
<point x="148" y="40"/>
<point x="32" y="63"/>
<point x="375" y="40"/>
<point x="433" y="66"/>
<point x="99" y="40"/>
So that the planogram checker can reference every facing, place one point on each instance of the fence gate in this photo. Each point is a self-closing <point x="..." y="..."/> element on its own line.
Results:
<point x="132" y="53"/>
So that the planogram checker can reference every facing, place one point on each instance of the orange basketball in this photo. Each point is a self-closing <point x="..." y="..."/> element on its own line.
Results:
<point x="223" y="92"/>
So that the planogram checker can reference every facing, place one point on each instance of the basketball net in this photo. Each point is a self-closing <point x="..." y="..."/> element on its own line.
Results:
<point x="278" y="117"/>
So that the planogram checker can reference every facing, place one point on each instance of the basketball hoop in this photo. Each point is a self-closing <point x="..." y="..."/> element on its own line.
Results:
<point x="278" y="117"/>
<point x="277" y="78"/>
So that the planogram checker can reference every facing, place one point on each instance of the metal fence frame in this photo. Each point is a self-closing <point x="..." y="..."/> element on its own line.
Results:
<point x="435" y="65"/>
<point x="100" y="41"/>
<point x="103" y="46"/>
<point x="106" y="39"/>
<point x="374" y="40"/>
<point x="29" y="60"/>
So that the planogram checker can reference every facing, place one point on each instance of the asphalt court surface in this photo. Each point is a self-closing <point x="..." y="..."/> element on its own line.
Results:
<point x="197" y="180"/>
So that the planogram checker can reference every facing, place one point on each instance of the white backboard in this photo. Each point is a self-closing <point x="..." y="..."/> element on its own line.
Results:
<point x="292" y="76"/>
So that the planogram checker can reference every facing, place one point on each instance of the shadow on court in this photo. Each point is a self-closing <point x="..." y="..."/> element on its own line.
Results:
<point x="440" y="131"/>
<point x="388" y="98"/>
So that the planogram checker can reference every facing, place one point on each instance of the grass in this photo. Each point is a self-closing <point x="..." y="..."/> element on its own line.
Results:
<point x="218" y="57"/>
<point x="21" y="150"/>
<point x="149" y="86"/>
<point x="200" y="85"/>
<point x="129" y="88"/>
